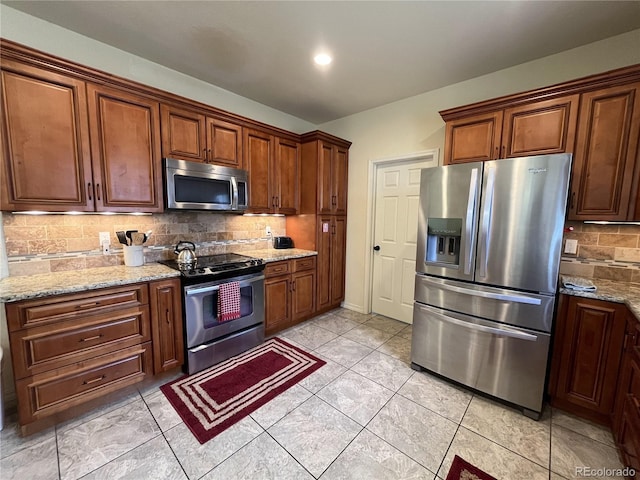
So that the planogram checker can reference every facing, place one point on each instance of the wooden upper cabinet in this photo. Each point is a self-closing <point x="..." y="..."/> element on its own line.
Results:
<point x="473" y="139"/>
<point x="125" y="145"/>
<point x="285" y="175"/>
<point x="45" y="141"/>
<point x="540" y="128"/>
<point x="332" y="179"/>
<point x="190" y="135"/>
<point x="536" y="128"/>
<point x="606" y="154"/>
<point x="274" y="171"/>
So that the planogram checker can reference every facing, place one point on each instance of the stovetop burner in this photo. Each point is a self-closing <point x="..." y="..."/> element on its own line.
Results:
<point x="223" y="265"/>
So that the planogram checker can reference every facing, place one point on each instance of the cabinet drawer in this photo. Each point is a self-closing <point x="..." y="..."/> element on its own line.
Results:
<point x="38" y="349"/>
<point x="51" y="392"/>
<point x="306" y="263"/>
<point x="56" y="308"/>
<point x="277" y="268"/>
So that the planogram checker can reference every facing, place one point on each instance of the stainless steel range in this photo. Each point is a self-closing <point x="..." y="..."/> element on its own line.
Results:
<point x="208" y="339"/>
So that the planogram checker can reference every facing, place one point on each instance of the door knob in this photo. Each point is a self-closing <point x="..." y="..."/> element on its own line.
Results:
<point x="377" y="248"/>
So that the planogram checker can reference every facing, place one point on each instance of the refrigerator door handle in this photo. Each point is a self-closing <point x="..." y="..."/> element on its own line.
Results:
<point x="490" y="295"/>
<point x="486" y="220"/>
<point x="480" y="328"/>
<point x="469" y="221"/>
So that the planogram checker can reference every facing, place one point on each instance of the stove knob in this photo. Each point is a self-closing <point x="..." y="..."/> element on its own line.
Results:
<point x="201" y="270"/>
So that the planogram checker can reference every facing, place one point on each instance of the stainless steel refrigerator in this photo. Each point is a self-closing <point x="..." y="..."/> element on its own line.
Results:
<point x="488" y="254"/>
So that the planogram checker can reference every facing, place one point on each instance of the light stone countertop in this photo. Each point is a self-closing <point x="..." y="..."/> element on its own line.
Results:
<point x="276" y="255"/>
<point x="13" y="289"/>
<point x="612" y="291"/>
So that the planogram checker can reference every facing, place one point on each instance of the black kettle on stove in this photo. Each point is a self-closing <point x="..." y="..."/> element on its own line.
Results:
<point x="186" y="252"/>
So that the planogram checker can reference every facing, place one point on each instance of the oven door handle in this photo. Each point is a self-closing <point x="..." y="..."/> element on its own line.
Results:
<point x="212" y="288"/>
<point x="480" y="328"/>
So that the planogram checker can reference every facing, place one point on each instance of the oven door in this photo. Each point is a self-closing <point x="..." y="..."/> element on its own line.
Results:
<point x="201" y="306"/>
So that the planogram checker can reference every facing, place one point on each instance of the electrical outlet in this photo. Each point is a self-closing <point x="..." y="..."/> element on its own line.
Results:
<point x="571" y="246"/>
<point x="105" y="242"/>
<point x="268" y="231"/>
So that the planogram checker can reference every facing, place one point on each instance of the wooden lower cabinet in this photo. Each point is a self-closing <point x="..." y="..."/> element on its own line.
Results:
<point x="586" y="357"/>
<point x="289" y="293"/>
<point x="166" y="324"/>
<point x="331" y="261"/>
<point x="68" y="350"/>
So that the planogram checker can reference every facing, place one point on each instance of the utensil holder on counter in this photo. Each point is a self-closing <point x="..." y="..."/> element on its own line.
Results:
<point x="133" y="255"/>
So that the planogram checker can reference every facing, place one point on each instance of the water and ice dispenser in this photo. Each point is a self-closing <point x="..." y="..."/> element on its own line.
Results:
<point x="443" y="241"/>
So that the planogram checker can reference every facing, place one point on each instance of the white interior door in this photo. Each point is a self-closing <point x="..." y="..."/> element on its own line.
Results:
<point x="397" y="196"/>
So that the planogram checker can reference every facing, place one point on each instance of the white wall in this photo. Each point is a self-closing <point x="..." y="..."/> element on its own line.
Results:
<point x="414" y="125"/>
<point x="47" y="37"/>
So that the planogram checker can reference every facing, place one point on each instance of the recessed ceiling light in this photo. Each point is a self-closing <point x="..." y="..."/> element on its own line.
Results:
<point x="323" y="59"/>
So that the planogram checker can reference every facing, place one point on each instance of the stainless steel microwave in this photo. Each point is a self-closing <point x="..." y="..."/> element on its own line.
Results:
<point x="202" y="186"/>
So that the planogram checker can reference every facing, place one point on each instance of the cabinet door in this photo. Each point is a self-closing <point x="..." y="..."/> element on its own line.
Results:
<point x="258" y="149"/>
<point x="125" y="144"/>
<point x="540" y="128"/>
<point x="338" y="247"/>
<point x="45" y="141"/>
<point x="303" y="285"/>
<point x="605" y="154"/>
<point x="224" y="143"/>
<point x="183" y="134"/>
<point x="339" y="174"/>
<point x="324" y="263"/>
<point x="591" y="333"/>
<point x="286" y="176"/>
<point x="277" y="303"/>
<point x="166" y="324"/>
<point x="473" y="139"/>
<point x="325" y="179"/>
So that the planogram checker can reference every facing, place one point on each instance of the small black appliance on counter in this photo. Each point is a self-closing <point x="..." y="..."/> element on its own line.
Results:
<point x="282" y="242"/>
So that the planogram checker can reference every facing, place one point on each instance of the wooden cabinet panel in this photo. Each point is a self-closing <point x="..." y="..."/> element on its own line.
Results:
<point x="589" y="336"/>
<point x="473" y="139"/>
<point x="541" y="128"/>
<point x="61" y="389"/>
<point x="277" y="303"/>
<point x="338" y="249"/>
<point x="339" y="180"/>
<point x="125" y="144"/>
<point x="606" y="154"/>
<point x="45" y="141"/>
<point x="303" y="298"/>
<point x="325" y="155"/>
<point x="331" y="261"/>
<point x="166" y="324"/>
<point x="332" y="179"/>
<point x="258" y="148"/>
<point x="324" y="269"/>
<point x="184" y="134"/>
<point x="629" y="433"/>
<point x="224" y="143"/>
<point x="285" y="176"/>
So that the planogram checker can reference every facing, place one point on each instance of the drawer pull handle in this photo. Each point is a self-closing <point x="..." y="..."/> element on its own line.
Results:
<point x="167" y="316"/>
<point x="636" y="402"/>
<point x="94" y="380"/>
<point x="88" y="305"/>
<point x="88" y="339"/>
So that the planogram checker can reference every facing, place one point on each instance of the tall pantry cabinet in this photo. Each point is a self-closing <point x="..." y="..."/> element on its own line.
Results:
<point x="321" y="224"/>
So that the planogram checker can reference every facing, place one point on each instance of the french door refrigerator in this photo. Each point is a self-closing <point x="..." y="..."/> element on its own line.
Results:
<point x="488" y="254"/>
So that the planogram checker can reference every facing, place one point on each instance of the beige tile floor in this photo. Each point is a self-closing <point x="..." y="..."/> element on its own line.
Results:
<point x="364" y="415"/>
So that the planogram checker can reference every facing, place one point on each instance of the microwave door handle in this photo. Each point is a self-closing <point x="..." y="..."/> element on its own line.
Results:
<point x="486" y="221"/>
<point x="234" y="194"/>
<point x="480" y="328"/>
<point x="469" y="221"/>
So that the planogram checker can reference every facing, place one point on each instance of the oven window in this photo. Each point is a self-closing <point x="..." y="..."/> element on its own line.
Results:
<point x="210" y="306"/>
<point x="202" y="190"/>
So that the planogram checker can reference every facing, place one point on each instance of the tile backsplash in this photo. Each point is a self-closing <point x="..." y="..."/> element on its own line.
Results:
<point x="607" y="252"/>
<point x="49" y="243"/>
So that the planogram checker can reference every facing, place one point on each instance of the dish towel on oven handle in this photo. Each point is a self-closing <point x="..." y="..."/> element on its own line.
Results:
<point x="229" y="301"/>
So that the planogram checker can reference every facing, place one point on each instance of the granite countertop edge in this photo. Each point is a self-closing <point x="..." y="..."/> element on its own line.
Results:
<point x="26" y="287"/>
<point x="612" y="291"/>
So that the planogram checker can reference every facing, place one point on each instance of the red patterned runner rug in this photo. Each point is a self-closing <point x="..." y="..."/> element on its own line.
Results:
<point x="463" y="470"/>
<point x="214" y="399"/>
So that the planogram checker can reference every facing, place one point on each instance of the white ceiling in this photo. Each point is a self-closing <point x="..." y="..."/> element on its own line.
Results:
<point x="383" y="51"/>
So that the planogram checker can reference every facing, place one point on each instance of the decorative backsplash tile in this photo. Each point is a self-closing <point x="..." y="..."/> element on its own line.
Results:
<point x="51" y="243"/>
<point x="608" y="252"/>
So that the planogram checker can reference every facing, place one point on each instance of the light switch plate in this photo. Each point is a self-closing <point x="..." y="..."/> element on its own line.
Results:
<point x="571" y="246"/>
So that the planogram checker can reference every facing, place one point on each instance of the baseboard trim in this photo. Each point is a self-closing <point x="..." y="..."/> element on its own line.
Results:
<point x="351" y="306"/>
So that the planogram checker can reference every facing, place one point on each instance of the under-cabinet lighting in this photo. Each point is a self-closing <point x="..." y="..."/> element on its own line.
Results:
<point x="40" y="212"/>
<point x="605" y="222"/>
<point x="263" y="214"/>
